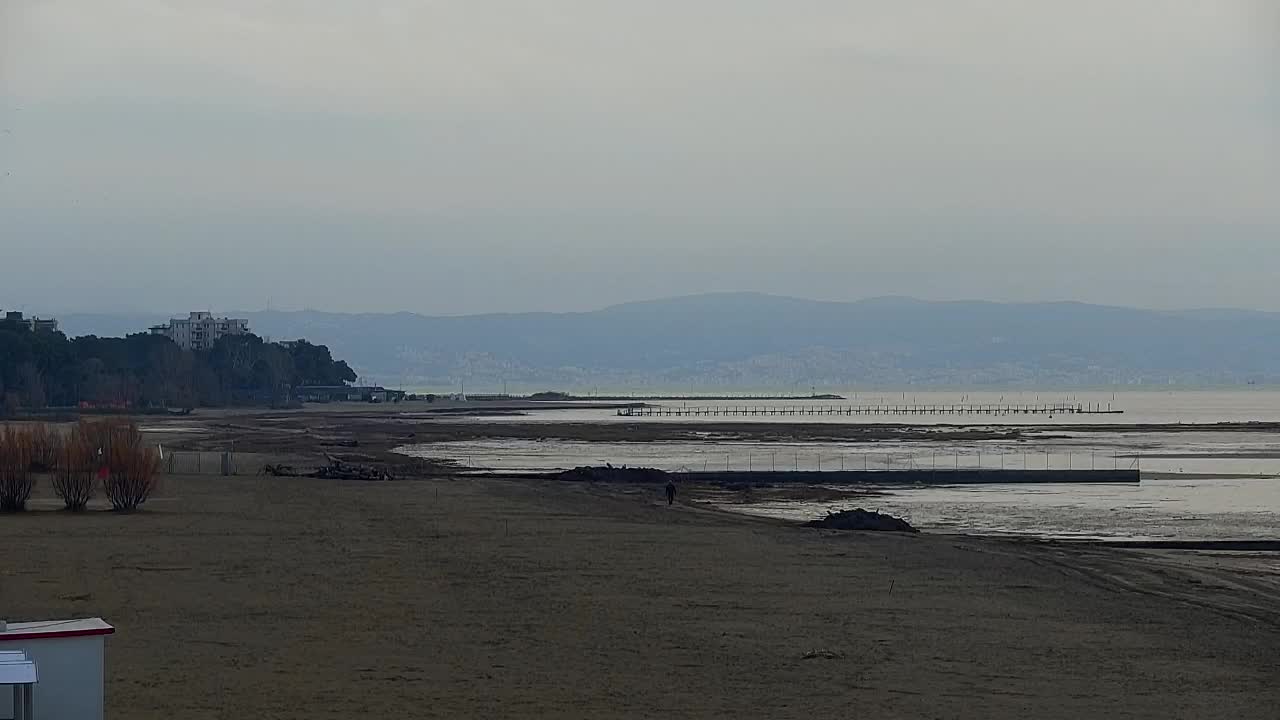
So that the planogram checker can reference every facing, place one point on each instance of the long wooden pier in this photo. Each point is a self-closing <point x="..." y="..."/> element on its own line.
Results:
<point x="852" y="410"/>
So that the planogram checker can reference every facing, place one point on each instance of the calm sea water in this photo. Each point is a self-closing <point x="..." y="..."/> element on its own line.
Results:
<point x="1146" y="407"/>
<point x="1198" y="494"/>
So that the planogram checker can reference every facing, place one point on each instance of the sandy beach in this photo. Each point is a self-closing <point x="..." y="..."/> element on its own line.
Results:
<point x="294" y="597"/>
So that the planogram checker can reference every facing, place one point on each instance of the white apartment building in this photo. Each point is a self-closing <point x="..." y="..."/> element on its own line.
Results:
<point x="200" y="330"/>
<point x="35" y="324"/>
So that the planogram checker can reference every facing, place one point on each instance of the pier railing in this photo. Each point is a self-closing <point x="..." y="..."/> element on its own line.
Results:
<point x="854" y="410"/>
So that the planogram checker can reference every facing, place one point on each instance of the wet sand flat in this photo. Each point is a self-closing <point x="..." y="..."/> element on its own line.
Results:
<point x="283" y="597"/>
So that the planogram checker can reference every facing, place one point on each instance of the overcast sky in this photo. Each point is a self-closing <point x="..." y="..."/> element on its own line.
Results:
<point x="452" y="156"/>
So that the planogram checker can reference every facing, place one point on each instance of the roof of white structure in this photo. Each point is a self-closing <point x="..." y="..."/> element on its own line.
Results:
<point x="55" y="629"/>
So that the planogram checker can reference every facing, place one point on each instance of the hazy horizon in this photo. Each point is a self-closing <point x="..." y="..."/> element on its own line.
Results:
<point x="38" y="311"/>
<point x="459" y="158"/>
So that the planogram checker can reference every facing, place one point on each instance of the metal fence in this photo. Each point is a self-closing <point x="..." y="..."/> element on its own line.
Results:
<point x="187" y="462"/>
<point x="937" y="460"/>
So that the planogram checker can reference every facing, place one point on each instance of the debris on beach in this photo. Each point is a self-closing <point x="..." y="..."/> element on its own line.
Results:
<point x="860" y="519"/>
<point x="280" y="470"/>
<point x="339" y="470"/>
<point x="822" y="655"/>
<point x="335" y="470"/>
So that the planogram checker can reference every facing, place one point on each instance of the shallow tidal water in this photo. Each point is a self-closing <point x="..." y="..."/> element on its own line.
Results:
<point x="1192" y="489"/>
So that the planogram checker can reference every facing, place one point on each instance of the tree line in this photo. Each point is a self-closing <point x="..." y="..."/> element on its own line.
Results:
<point x="47" y="369"/>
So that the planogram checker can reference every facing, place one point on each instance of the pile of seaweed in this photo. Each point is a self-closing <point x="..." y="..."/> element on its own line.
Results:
<point x="860" y="519"/>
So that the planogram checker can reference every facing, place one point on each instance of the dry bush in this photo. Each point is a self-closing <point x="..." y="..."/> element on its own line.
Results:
<point x="99" y="434"/>
<point x="16" y="480"/>
<point x="74" y="469"/>
<point x="45" y="445"/>
<point x="132" y="468"/>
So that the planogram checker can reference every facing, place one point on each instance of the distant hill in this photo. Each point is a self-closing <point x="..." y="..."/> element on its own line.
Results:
<point x="747" y="340"/>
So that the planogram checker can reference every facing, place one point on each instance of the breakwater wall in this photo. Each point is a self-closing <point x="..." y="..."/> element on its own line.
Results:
<point x="970" y="476"/>
<point x="973" y="476"/>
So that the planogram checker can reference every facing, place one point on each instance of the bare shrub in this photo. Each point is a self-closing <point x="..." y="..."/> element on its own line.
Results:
<point x="16" y="480"/>
<point x="74" y="469"/>
<point x="132" y="468"/>
<point x="45" y="445"/>
<point x="98" y="435"/>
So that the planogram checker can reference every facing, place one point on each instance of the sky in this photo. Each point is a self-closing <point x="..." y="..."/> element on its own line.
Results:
<point x="460" y="156"/>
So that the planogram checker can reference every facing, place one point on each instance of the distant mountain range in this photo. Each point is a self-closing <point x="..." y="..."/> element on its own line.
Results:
<point x="753" y="341"/>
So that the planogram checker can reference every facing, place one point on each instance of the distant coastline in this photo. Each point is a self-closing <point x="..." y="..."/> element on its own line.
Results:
<point x="759" y="345"/>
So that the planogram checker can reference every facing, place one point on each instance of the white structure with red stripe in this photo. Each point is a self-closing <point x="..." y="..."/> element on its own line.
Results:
<point x="69" y="655"/>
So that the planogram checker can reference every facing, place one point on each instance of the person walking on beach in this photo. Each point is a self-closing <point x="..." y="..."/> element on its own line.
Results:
<point x="671" y="491"/>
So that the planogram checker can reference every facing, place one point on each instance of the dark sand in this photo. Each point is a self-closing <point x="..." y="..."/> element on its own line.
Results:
<point x="296" y="598"/>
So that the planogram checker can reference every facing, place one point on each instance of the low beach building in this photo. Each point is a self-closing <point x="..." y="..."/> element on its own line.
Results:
<point x="347" y="393"/>
<point x="67" y="664"/>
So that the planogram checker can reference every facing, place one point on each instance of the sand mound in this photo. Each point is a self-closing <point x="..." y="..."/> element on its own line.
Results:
<point x="860" y="519"/>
